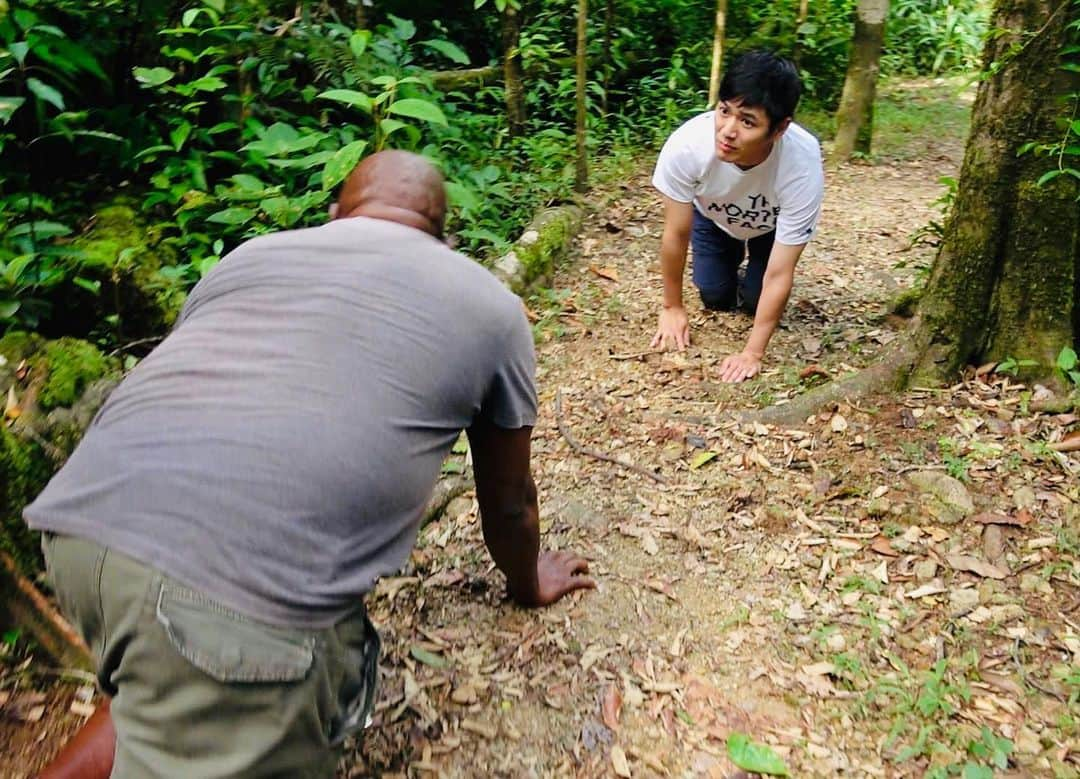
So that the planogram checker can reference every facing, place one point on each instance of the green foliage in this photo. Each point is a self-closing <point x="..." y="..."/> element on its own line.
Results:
<point x="932" y="37"/>
<point x="1013" y="366"/>
<point x="754" y="757"/>
<point x="1068" y="365"/>
<point x="1064" y="153"/>
<point x="69" y="365"/>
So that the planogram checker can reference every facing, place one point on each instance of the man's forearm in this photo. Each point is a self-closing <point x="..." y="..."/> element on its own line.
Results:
<point x="672" y="266"/>
<point x="771" y="304"/>
<point x="514" y="542"/>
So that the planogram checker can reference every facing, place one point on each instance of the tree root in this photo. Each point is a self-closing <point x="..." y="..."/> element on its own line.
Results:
<point x="889" y="372"/>
<point x="446" y="489"/>
<point x="27" y="607"/>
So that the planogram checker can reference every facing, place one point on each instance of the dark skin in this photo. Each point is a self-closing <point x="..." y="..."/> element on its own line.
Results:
<point x="405" y="188"/>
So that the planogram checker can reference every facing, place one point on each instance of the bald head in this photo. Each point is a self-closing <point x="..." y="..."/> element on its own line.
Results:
<point x="396" y="185"/>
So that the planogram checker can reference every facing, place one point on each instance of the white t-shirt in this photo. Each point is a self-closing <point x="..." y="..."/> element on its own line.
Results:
<point x="783" y="193"/>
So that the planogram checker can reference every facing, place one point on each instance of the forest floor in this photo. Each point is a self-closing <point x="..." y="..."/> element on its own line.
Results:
<point x="889" y="589"/>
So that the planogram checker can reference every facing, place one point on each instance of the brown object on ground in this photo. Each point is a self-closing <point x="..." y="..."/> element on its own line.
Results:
<point x="22" y="604"/>
<point x="577" y="447"/>
<point x="89" y="754"/>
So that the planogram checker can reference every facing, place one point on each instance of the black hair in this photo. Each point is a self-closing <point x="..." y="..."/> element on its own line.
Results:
<point x="761" y="78"/>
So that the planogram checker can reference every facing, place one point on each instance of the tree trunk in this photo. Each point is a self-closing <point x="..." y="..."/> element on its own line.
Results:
<point x="717" y="51"/>
<point x="362" y="22"/>
<point x="854" y="118"/>
<point x="581" y="178"/>
<point x="1006" y="280"/>
<point x="513" y="82"/>
<point x="800" y="20"/>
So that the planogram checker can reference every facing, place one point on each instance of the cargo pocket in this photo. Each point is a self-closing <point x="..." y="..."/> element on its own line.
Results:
<point x="357" y="696"/>
<point x="229" y="646"/>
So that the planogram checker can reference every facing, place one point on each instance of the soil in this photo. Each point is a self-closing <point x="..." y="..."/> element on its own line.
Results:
<point x="889" y="589"/>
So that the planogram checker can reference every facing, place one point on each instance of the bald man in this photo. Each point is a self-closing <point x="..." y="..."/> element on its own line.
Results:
<point x="215" y="532"/>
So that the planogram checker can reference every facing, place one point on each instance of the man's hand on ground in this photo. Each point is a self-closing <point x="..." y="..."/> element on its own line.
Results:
<point x="674" y="326"/>
<point x="559" y="573"/>
<point x="739" y="367"/>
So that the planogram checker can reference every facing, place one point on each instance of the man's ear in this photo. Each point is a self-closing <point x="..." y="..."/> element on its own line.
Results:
<point x="333" y="210"/>
<point x="781" y="127"/>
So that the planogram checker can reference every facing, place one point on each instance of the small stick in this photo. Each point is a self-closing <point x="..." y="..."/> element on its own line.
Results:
<point x="632" y="355"/>
<point x="133" y="344"/>
<point x="579" y="449"/>
<point x="1028" y="680"/>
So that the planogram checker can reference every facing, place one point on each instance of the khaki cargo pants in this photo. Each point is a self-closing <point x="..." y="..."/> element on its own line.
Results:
<point x="199" y="690"/>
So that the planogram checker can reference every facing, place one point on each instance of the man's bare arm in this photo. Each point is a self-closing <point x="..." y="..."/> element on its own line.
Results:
<point x="510" y="520"/>
<point x="674" y="325"/>
<point x="775" y="290"/>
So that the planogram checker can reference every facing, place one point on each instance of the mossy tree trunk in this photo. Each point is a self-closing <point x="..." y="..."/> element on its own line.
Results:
<point x="800" y="20"/>
<point x="513" y="78"/>
<point x="717" y="51"/>
<point x="1005" y="280"/>
<point x="581" y="176"/>
<point x="855" y="116"/>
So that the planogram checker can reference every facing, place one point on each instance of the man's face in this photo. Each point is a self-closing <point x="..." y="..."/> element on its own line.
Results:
<point x="742" y="133"/>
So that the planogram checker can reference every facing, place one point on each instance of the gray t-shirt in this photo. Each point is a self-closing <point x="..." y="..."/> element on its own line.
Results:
<point x="277" y="449"/>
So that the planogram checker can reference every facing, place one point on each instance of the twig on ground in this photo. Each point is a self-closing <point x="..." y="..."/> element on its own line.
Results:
<point x="138" y="342"/>
<point x="632" y="355"/>
<point x="579" y="449"/>
<point x="1031" y="682"/>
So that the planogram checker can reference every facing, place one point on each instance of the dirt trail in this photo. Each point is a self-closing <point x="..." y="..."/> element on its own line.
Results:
<point x="792" y="585"/>
<point x="888" y="590"/>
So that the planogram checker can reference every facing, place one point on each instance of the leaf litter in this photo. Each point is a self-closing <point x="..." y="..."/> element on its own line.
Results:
<point x="862" y="594"/>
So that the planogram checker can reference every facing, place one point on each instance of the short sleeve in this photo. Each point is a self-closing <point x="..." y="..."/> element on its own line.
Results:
<point x="800" y="206"/>
<point x="510" y="402"/>
<point x="676" y="173"/>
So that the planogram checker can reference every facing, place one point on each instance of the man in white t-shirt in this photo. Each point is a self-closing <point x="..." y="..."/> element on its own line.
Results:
<point x="743" y="179"/>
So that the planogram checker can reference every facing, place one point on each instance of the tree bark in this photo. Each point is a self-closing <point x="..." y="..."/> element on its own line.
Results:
<point x="855" y="117"/>
<point x="800" y="20"/>
<point x="1006" y="280"/>
<point x="717" y="51"/>
<point x="581" y="178"/>
<point x="513" y="81"/>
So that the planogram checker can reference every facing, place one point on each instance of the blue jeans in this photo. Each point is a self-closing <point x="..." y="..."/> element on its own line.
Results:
<point x="717" y="257"/>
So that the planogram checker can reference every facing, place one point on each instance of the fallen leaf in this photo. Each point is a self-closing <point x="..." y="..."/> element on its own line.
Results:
<point x="11" y="407"/>
<point x="607" y="272"/>
<point x="1021" y="519"/>
<point x="994" y="545"/>
<point x="1070" y="443"/>
<point x="757" y="758"/>
<point x="428" y="658"/>
<point x="82" y="709"/>
<point x="648" y="543"/>
<point x="479" y="728"/>
<point x="925" y="591"/>
<point x="963" y="562"/>
<point x="883" y="546"/>
<point x="813" y="370"/>
<point x="611" y="706"/>
<point x="701" y="458"/>
<point x="619" y="762"/>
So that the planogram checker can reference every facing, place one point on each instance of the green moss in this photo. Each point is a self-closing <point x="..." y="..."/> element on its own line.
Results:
<point x="17" y="346"/>
<point x="907" y="301"/>
<point x="24" y="470"/>
<point x="70" y="365"/>
<point x="127" y="256"/>
<point x="547" y="241"/>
